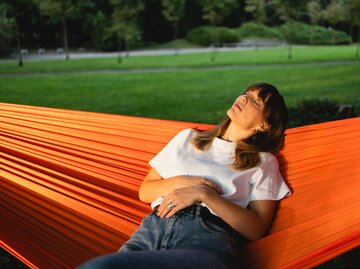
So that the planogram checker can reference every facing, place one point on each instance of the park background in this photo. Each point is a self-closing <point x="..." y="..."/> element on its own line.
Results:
<point x="181" y="59"/>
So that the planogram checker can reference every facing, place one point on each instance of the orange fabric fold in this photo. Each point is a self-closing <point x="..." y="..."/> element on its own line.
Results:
<point x="69" y="183"/>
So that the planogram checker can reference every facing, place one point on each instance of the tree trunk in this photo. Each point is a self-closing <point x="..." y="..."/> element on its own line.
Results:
<point x="213" y="50"/>
<point x="18" y="46"/>
<point x="358" y="42"/>
<point x="289" y="39"/>
<point x="127" y="46"/>
<point x="66" y="41"/>
<point x="176" y="52"/>
<point x="65" y="33"/>
<point x="119" y="48"/>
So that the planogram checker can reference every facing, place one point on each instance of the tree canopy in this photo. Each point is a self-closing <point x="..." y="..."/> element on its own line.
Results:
<point x="100" y="24"/>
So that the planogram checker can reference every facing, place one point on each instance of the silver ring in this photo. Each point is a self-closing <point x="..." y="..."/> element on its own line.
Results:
<point x="171" y="206"/>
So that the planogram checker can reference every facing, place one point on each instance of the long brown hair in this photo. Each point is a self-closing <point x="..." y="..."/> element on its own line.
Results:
<point x="247" y="150"/>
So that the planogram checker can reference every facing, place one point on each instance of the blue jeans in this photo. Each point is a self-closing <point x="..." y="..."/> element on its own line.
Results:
<point x="184" y="241"/>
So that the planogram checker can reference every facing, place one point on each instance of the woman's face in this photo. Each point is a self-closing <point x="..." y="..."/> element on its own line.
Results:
<point x="247" y="112"/>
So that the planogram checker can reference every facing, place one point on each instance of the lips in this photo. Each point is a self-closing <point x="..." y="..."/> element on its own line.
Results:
<point x="236" y="105"/>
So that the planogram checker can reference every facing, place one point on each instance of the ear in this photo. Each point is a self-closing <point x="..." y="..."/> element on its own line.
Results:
<point x="263" y="127"/>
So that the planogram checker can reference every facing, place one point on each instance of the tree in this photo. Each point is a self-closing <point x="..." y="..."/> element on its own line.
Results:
<point x="58" y="10"/>
<point x="91" y="18"/>
<point x="354" y="17"/>
<point x="124" y="21"/>
<point x="315" y="14"/>
<point x="257" y="9"/>
<point x="6" y="26"/>
<point x="288" y="10"/>
<point x="13" y="10"/>
<point x="131" y="32"/>
<point x="334" y="13"/>
<point x="173" y="11"/>
<point x="215" y="11"/>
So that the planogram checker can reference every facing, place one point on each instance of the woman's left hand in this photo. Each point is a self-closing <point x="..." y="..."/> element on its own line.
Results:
<point x="181" y="198"/>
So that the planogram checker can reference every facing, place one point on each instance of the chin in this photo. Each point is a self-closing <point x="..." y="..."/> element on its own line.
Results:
<point x="230" y="113"/>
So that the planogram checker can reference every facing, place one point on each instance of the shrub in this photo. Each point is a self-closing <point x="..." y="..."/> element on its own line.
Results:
<point x="256" y="30"/>
<point x="227" y="35"/>
<point x="315" y="111"/>
<point x="203" y="35"/>
<point x="301" y="34"/>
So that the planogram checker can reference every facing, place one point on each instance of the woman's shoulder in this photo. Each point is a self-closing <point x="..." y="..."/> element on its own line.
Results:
<point x="185" y="135"/>
<point x="188" y="132"/>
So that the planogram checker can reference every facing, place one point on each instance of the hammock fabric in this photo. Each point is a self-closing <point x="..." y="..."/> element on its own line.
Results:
<point x="69" y="183"/>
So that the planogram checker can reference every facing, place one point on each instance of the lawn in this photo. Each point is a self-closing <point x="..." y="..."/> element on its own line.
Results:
<point x="197" y="96"/>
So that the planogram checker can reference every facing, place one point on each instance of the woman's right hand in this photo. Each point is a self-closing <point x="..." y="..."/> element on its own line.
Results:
<point x="188" y="181"/>
<point x="154" y="186"/>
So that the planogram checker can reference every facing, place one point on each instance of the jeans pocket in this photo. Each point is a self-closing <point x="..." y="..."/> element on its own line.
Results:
<point x="215" y="229"/>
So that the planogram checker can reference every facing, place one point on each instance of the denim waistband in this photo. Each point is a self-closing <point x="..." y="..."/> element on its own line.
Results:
<point x="205" y="214"/>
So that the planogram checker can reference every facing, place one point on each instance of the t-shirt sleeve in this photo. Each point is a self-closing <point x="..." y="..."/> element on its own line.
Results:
<point x="267" y="183"/>
<point x="163" y="161"/>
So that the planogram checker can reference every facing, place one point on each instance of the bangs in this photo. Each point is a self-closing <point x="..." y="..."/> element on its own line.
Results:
<point x="274" y="104"/>
<point x="264" y="93"/>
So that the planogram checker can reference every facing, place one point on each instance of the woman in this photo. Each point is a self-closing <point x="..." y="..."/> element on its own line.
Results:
<point x="210" y="189"/>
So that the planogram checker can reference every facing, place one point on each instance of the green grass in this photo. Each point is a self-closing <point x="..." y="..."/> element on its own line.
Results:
<point x="253" y="57"/>
<point x="197" y="96"/>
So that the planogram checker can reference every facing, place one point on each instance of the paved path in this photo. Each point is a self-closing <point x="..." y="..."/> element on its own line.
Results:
<point x="183" y="69"/>
<point x="135" y="53"/>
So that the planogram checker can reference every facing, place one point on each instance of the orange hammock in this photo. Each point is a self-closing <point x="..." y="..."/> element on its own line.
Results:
<point x="69" y="183"/>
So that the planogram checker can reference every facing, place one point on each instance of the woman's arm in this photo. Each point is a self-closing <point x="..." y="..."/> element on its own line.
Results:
<point x="154" y="186"/>
<point x="252" y="223"/>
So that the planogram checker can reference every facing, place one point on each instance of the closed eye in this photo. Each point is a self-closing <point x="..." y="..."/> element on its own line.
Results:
<point x="256" y="103"/>
<point x="253" y="99"/>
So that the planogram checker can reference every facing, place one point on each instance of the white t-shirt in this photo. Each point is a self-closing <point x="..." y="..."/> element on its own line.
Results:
<point x="179" y="157"/>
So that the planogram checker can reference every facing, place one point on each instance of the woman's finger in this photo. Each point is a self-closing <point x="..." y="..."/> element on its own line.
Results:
<point x="166" y="206"/>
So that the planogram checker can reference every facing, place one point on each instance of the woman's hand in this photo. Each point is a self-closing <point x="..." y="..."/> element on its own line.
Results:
<point x="182" y="198"/>
<point x="188" y="181"/>
<point x="154" y="186"/>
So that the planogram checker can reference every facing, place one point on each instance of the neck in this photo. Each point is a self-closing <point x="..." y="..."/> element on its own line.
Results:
<point x="235" y="133"/>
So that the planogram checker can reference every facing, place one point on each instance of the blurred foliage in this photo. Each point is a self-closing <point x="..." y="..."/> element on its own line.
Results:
<point x="315" y="111"/>
<point x="302" y="34"/>
<point x="173" y="11"/>
<point x="90" y="22"/>
<point x="203" y="35"/>
<point x="6" y="28"/>
<point x="305" y="34"/>
<point x="250" y="29"/>
<point x="257" y="9"/>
